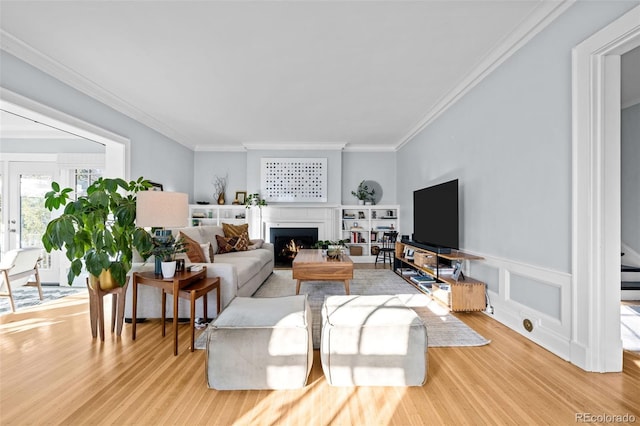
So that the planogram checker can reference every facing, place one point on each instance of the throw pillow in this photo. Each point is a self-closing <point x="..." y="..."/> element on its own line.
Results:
<point x="207" y="251"/>
<point x="227" y="245"/>
<point x="231" y="230"/>
<point x="194" y="252"/>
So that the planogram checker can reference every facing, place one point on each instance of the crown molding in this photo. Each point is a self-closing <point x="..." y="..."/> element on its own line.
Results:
<point x="537" y="21"/>
<point x="23" y="51"/>
<point x="298" y="146"/>
<point x="370" y="148"/>
<point x="219" y="148"/>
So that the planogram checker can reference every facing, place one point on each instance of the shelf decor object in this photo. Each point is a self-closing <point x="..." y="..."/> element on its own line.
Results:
<point x="294" y="179"/>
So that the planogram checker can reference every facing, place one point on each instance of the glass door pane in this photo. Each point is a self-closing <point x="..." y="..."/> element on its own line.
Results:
<point x="28" y="216"/>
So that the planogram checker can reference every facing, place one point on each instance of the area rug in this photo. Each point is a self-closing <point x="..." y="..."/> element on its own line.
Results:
<point x="24" y="297"/>
<point x="630" y="327"/>
<point x="443" y="329"/>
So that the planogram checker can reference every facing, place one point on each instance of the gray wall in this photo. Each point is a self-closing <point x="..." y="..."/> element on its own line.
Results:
<point x="346" y="171"/>
<point x="509" y="143"/>
<point x="208" y="165"/>
<point x="630" y="178"/>
<point x="153" y="155"/>
<point x="379" y="167"/>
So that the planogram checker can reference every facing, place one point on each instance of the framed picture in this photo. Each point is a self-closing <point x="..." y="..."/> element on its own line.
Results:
<point x="457" y="271"/>
<point x="155" y="186"/>
<point x="241" y="196"/>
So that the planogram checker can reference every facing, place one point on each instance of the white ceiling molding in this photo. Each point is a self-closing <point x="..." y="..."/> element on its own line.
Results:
<point x="226" y="99"/>
<point x="534" y="24"/>
<point x="219" y="148"/>
<point x="33" y="57"/>
<point x="369" y="148"/>
<point x="298" y="146"/>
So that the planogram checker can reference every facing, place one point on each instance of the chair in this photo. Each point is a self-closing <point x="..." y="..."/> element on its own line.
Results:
<point x="388" y="248"/>
<point x="17" y="267"/>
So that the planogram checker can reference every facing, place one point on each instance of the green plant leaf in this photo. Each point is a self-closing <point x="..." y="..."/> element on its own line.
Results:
<point x="118" y="272"/>
<point x="70" y="277"/>
<point x="76" y="267"/>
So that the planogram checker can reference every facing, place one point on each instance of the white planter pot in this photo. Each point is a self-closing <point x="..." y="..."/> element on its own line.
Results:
<point x="169" y="269"/>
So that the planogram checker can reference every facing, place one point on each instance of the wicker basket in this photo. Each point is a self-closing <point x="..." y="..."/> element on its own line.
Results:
<point x="355" y="251"/>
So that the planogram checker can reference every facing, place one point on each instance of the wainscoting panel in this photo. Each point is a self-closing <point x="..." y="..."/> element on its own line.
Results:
<point x="531" y="300"/>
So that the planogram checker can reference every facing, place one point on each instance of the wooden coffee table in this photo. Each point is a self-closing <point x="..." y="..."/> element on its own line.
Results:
<point x="311" y="265"/>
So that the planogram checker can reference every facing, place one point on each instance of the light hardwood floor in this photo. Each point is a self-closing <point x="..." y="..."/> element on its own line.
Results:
<point x="53" y="372"/>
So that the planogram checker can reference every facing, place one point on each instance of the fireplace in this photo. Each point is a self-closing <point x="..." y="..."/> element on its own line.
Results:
<point x="287" y="242"/>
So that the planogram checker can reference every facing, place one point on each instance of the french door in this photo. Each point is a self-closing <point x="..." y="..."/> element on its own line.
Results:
<point x="27" y="218"/>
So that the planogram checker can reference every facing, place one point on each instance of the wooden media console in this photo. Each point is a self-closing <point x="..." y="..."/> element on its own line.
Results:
<point x="461" y="294"/>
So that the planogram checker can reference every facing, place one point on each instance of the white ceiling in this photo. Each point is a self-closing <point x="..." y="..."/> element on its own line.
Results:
<point x="235" y="75"/>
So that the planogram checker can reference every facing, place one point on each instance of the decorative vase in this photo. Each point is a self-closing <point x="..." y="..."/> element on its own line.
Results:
<point x="221" y="198"/>
<point x="105" y="281"/>
<point x="334" y="251"/>
<point x="169" y="269"/>
<point x="158" y="265"/>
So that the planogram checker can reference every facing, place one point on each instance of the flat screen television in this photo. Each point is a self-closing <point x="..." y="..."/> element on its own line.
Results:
<point x="435" y="216"/>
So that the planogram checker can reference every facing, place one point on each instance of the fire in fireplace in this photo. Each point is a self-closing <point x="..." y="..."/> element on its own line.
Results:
<point x="288" y="241"/>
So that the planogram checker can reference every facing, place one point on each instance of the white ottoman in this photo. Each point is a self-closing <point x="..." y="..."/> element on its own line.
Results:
<point x="260" y="343"/>
<point x="372" y="341"/>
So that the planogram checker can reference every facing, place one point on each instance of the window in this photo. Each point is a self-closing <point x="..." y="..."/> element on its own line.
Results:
<point x="84" y="178"/>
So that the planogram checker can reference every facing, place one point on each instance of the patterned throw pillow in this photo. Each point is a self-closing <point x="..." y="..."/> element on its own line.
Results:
<point x="207" y="251"/>
<point x="227" y="245"/>
<point x="194" y="251"/>
<point x="231" y="230"/>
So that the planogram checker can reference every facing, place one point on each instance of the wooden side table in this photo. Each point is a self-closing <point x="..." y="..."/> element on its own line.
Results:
<point x="192" y="292"/>
<point x="173" y="285"/>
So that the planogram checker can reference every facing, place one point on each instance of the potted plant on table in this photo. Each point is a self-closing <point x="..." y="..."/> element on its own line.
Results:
<point x="98" y="230"/>
<point x="334" y="248"/>
<point x="166" y="249"/>
<point x="363" y="193"/>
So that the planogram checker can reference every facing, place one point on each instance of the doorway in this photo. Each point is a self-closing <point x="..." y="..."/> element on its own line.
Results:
<point x="24" y="182"/>
<point x="596" y="343"/>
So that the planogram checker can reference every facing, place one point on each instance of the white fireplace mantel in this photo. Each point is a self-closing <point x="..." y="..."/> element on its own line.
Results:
<point x="322" y="217"/>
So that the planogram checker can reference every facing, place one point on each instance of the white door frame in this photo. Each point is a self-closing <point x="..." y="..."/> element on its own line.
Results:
<point x="596" y="343"/>
<point x="117" y="148"/>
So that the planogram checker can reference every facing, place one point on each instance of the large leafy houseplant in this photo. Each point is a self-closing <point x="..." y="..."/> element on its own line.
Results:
<point x="98" y="231"/>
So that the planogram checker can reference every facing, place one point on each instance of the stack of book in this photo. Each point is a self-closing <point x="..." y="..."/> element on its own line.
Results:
<point x="423" y="279"/>
<point x="407" y="272"/>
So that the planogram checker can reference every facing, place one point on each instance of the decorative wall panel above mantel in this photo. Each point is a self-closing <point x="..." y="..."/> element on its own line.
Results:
<point x="294" y="180"/>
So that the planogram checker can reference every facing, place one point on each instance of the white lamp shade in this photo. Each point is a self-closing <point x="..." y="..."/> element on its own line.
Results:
<point x="160" y="209"/>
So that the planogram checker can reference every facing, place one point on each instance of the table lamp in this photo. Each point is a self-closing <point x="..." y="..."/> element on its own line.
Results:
<point x="159" y="210"/>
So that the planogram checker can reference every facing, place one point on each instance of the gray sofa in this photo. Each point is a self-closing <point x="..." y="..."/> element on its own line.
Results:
<point x="241" y="273"/>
